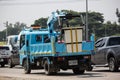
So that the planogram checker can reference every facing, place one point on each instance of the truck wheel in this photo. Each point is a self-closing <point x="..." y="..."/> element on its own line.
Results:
<point x="113" y="64"/>
<point x="26" y="67"/>
<point x="47" y="68"/>
<point x="78" y="71"/>
<point x="10" y="64"/>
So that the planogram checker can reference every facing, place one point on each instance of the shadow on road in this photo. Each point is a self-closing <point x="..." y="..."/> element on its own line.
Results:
<point x="16" y="67"/>
<point x="106" y="71"/>
<point x="4" y="67"/>
<point x="91" y="75"/>
<point x="66" y="74"/>
<point x="58" y="74"/>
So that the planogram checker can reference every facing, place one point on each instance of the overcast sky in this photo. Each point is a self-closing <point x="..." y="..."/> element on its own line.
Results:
<point x="27" y="11"/>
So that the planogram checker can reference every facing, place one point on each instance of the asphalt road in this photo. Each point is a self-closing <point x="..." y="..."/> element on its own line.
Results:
<point x="98" y="73"/>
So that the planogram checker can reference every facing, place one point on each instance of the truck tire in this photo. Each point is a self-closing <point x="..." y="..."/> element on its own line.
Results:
<point x="113" y="64"/>
<point x="27" y="68"/>
<point x="10" y="64"/>
<point x="78" y="71"/>
<point x="48" y="69"/>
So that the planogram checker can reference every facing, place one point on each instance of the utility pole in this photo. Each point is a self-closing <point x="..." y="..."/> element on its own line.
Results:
<point x="86" y="20"/>
<point x="6" y="25"/>
<point x="118" y="15"/>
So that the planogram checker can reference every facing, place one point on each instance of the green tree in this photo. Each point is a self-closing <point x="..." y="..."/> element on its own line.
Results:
<point x="95" y="21"/>
<point x="2" y="36"/>
<point x="41" y="21"/>
<point x="12" y="29"/>
<point x="111" y="29"/>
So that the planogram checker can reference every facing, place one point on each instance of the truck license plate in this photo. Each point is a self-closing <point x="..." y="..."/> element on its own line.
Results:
<point x="73" y="62"/>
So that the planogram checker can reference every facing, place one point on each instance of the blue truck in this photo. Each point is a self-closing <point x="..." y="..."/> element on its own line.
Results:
<point x="52" y="50"/>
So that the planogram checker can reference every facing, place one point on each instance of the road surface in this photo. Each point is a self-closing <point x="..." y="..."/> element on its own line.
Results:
<point x="17" y="73"/>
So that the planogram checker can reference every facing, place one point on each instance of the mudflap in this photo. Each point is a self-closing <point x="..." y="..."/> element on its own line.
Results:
<point x="89" y="66"/>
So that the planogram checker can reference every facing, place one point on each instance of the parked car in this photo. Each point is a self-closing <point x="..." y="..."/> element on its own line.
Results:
<point x="107" y="53"/>
<point x="14" y="58"/>
<point x="4" y="55"/>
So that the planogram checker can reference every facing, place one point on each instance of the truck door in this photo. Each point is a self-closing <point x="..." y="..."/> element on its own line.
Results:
<point x="22" y="47"/>
<point x="99" y="57"/>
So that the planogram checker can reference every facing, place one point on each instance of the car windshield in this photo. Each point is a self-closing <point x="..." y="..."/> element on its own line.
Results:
<point x="4" y="48"/>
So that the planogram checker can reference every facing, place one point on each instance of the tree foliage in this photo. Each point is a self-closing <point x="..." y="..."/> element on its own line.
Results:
<point x="95" y="21"/>
<point x="41" y="21"/>
<point x="96" y="25"/>
<point x="12" y="29"/>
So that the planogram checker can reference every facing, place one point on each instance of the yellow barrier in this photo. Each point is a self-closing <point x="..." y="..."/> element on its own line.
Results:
<point x="71" y="39"/>
<point x="76" y="40"/>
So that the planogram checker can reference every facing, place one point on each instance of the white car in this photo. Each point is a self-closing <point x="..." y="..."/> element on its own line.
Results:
<point x="4" y="55"/>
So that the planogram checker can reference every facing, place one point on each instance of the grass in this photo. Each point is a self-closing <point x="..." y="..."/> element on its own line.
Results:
<point x="2" y="43"/>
